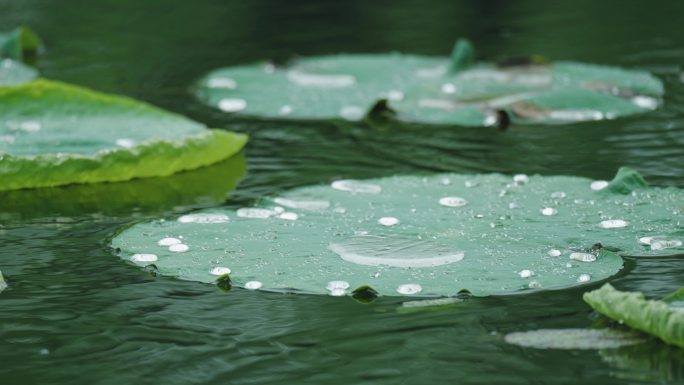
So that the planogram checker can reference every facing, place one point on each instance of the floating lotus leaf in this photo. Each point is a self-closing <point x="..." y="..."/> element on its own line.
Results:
<point x="663" y="319"/>
<point x="54" y="134"/>
<point x="409" y="235"/>
<point x="581" y="339"/>
<point x="432" y="90"/>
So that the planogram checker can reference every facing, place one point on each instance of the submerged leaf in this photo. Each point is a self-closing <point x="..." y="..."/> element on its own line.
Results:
<point x="3" y="284"/>
<point x="663" y="319"/>
<point x="583" y="339"/>
<point x="54" y="134"/>
<point x="450" y="91"/>
<point x="418" y="236"/>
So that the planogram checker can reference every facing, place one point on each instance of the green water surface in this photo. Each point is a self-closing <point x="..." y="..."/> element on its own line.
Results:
<point x="74" y="313"/>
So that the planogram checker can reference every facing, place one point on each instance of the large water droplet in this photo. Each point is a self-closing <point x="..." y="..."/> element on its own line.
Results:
<point x="218" y="270"/>
<point x="355" y="186"/>
<point x="583" y="257"/>
<point x="337" y="285"/>
<point x="179" y="248"/>
<point x="452" y="201"/>
<point x="526" y="273"/>
<point x="663" y="243"/>
<point x="144" y="258"/>
<point x="321" y="80"/>
<point x="554" y="253"/>
<point x="204" y="218"/>
<point x="521" y="178"/>
<point x="599" y="185"/>
<point x="388" y="221"/>
<point x="225" y="83"/>
<point x="395" y="251"/>
<point x="549" y="211"/>
<point x="352" y="113"/>
<point x="232" y="105"/>
<point x="169" y="241"/>
<point x="288" y="216"/>
<point x="409" y="289"/>
<point x="125" y="143"/>
<point x="255" y="213"/>
<point x="302" y="204"/>
<point x="448" y="88"/>
<point x="584" y="278"/>
<point x="285" y="110"/>
<point x="613" y="224"/>
<point x="646" y="102"/>
<point x="253" y="285"/>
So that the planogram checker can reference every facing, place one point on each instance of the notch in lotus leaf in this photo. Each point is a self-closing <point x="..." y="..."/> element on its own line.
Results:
<point x="418" y="236"/>
<point x="453" y="90"/>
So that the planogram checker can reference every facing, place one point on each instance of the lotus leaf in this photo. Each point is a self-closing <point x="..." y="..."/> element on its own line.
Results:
<point x="447" y="91"/>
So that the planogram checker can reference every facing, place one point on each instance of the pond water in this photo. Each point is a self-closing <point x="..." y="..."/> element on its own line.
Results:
<point x="74" y="313"/>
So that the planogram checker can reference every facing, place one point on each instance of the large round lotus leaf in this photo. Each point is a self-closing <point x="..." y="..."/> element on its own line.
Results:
<point x="431" y="90"/>
<point x="663" y="319"/>
<point x="14" y="73"/>
<point x="430" y="236"/>
<point x="54" y="134"/>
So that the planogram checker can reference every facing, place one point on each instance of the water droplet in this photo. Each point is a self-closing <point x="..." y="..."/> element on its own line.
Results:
<point x="285" y="110"/>
<point x="395" y="95"/>
<point x="255" y="213"/>
<point x="549" y="211"/>
<point x="470" y="184"/>
<point x="513" y="205"/>
<point x="558" y="195"/>
<point x="646" y="102"/>
<point x="662" y="243"/>
<point x="204" y="218"/>
<point x="534" y="284"/>
<point x="169" y="241"/>
<point x="583" y="257"/>
<point x="448" y="88"/>
<point x="409" y="289"/>
<point x="321" y="80"/>
<point x="340" y="210"/>
<point x="395" y="251"/>
<point x="576" y="115"/>
<point x="225" y="83"/>
<point x="218" y="270"/>
<point x="337" y="285"/>
<point x="599" y="185"/>
<point x="125" y="143"/>
<point x="613" y="224"/>
<point x="44" y="352"/>
<point x="278" y="210"/>
<point x="337" y="293"/>
<point x="521" y="178"/>
<point x="232" y="105"/>
<point x="554" y="253"/>
<point x="526" y="273"/>
<point x="584" y="278"/>
<point x="26" y="126"/>
<point x="253" y="285"/>
<point x="143" y="258"/>
<point x="302" y="204"/>
<point x="179" y="248"/>
<point x="289" y="216"/>
<point x="352" y="113"/>
<point x="355" y="186"/>
<point x="445" y="181"/>
<point x="388" y="221"/>
<point x="452" y="201"/>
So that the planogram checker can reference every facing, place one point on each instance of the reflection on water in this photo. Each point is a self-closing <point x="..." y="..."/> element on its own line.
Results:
<point x="74" y="313"/>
